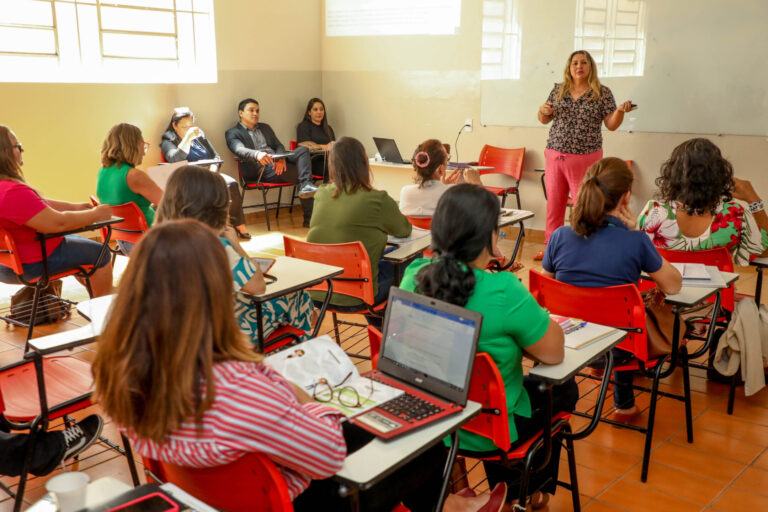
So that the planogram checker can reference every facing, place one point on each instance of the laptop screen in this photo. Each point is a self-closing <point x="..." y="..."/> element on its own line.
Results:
<point x="430" y="344"/>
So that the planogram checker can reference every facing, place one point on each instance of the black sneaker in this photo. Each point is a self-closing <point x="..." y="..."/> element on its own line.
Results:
<point x="80" y="436"/>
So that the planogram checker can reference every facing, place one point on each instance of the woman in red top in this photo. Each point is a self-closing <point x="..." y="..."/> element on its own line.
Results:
<point x="24" y="213"/>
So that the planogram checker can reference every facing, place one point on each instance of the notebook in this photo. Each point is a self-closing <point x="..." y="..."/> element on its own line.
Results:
<point x="699" y="275"/>
<point x="427" y="350"/>
<point x="579" y="334"/>
<point x="388" y="150"/>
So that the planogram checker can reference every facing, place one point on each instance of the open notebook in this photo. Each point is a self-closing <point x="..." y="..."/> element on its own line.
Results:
<point x="578" y="333"/>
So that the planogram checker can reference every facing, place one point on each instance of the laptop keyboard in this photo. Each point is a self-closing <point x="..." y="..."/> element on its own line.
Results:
<point x="410" y="408"/>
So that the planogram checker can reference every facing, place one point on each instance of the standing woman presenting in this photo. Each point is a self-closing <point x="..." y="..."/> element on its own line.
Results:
<point x="578" y="106"/>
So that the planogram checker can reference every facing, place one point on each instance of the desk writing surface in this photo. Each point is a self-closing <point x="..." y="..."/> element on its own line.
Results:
<point x="379" y="458"/>
<point x="294" y="274"/>
<point x="515" y="217"/>
<point x="408" y="250"/>
<point x="576" y="359"/>
<point x="65" y="339"/>
<point x="692" y="295"/>
<point x="96" y="310"/>
<point x="759" y="262"/>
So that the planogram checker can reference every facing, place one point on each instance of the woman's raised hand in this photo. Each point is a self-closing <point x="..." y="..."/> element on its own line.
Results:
<point x="627" y="106"/>
<point x="744" y="191"/>
<point x="547" y="109"/>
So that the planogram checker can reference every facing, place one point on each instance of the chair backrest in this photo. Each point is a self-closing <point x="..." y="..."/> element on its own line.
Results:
<point x="133" y="226"/>
<point x="718" y="257"/>
<point x="503" y="160"/>
<point x="420" y="222"/>
<point x="9" y="255"/>
<point x="487" y="388"/>
<point x="357" y="278"/>
<point x="259" y="484"/>
<point x="617" y="306"/>
<point x="374" y="341"/>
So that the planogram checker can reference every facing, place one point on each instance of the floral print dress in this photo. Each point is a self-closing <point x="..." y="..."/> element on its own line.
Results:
<point x="732" y="226"/>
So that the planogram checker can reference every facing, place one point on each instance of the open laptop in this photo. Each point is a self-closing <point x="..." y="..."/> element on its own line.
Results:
<point x="427" y="350"/>
<point x="388" y="150"/>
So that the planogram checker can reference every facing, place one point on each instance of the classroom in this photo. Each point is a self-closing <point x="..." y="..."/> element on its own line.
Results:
<point x="471" y="74"/>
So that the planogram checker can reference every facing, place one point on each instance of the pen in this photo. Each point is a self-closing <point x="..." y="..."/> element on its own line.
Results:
<point x="575" y="328"/>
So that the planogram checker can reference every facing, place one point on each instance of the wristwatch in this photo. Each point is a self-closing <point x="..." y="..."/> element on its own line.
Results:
<point x="757" y="206"/>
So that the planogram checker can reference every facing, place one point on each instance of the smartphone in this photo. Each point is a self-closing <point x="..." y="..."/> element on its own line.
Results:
<point x="264" y="263"/>
<point x="154" y="502"/>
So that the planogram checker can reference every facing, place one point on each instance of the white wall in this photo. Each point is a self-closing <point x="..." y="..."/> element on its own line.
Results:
<point x="416" y="87"/>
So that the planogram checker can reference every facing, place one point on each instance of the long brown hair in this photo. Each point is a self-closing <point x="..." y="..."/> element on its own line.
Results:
<point x="9" y="166"/>
<point x="349" y="166"/>
<point x="427" y="158"/>
<point x="173" y="318"/>
<point x="194" y="192"/>
<point x="592" y="80"/>
<point x="324" y="123"/>
<point x="122" y="145"/>
<point x="604" y="184"/>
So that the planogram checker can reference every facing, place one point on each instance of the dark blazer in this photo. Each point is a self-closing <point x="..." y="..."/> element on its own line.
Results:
<point x="240" y="143"/>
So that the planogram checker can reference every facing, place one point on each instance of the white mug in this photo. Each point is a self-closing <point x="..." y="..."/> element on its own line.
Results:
<point x="69" y="489"/>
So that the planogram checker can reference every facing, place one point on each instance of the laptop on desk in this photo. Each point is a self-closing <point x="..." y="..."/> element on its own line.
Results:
<point x="388" y="150"/>
<point x="427" y="350"/>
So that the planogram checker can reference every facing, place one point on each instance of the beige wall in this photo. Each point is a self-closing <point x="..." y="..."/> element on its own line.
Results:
<point x="266" y="49"/>
<point x="414" y="88"/>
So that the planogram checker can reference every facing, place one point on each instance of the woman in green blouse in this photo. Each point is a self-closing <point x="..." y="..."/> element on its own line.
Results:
<point x="119" y="181"/>
<point x="349" y="209"/>
<point x="464" y="236"/>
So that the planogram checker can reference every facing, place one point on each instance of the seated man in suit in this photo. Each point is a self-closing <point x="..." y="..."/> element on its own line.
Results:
<point x="254" y="143"/>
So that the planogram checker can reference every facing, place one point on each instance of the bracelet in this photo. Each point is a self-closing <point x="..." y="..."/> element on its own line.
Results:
<point x="757" y="206"/>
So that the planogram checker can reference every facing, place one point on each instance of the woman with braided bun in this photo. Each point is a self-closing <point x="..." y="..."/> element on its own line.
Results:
<point x="464" y="236"/>
<point x="430" y="161"/>
<point x="603" y="248"/>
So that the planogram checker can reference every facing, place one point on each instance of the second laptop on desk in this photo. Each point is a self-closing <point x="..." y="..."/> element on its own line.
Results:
<point x="427" y="353"/>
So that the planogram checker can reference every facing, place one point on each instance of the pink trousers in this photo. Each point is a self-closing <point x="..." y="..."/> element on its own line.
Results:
<point x="564" y="173"/>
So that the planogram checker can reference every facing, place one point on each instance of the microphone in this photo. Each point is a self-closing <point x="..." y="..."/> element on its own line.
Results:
<point x="456" y="143"/>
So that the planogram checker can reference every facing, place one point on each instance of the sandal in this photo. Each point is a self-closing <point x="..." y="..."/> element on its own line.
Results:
<point x="539" y="256"/>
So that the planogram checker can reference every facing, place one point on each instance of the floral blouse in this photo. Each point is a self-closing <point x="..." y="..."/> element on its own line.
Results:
<point x="577" y="124"/>
<point x="732" y="226"/>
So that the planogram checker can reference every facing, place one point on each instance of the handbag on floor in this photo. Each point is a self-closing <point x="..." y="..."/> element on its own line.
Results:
<point x="51" y="308"/>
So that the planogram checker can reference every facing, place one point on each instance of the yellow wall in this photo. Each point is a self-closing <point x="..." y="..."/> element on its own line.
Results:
<point x="266" y="49"/>
<point x="412" y="88"/>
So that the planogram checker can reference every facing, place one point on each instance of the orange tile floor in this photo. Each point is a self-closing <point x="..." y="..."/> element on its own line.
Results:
<point x="725" y="469"/>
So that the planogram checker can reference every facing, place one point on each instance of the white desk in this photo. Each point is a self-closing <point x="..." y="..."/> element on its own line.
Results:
<point x="576" y="359"/>
<point x="380" y="458"/>
<point x="692" y="295"/>
<point x="291" y="275"/>
<point x="408" y="250"/>
<point x="759" y="264"/>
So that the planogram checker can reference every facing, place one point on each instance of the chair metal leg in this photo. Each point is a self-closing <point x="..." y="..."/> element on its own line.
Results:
<point x="336" y="328"/>
<point x="517" y="195"/>
<point x="503" y="199"/>
<point x="279" y="202"/>
<point x="293" y="198"/>
<point x="569" y="447"/>
<point x="33" y="314"/>
<point x="88" y="287"/>
<point x="687" y="392"/>
<point x="131" y="461"/>
<point x="732" y="392"/>
<point x="544" y="186"/>
<point x="266" y="207"/>
<point x="651" y="418"/>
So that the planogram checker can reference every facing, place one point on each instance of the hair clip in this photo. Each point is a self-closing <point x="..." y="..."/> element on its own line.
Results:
<point x="416" y="159"/>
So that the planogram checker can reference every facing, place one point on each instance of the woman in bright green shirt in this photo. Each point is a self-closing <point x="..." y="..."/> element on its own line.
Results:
<point x="119" y="181"/>
<point x="464" y="236"/>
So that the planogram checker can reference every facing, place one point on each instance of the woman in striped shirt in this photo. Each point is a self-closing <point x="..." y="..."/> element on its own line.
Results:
<point x="176" y="373"/>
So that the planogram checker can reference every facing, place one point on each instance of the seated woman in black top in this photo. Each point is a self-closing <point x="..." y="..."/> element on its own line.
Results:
<point x="183" y="140"/>
<point x="315" y="133"/>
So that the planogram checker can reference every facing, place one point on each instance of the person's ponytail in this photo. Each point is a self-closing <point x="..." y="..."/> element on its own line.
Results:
<point x="605" y="182"/>
<point x="446" y="279"/>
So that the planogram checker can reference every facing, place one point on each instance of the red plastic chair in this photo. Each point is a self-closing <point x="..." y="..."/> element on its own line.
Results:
<point x="356" y="280"/>
<point x="620" y="306"/>
<point x="504" y="161"/>
<point x="265" y="187"/>
<point x="487" y="388"/>
<point x="420" y="222"/>
<point x="63" y="384"/>
<point x="258" y="484"/>
<point x="9" y="257"/>
<point x="132" y="228"/>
